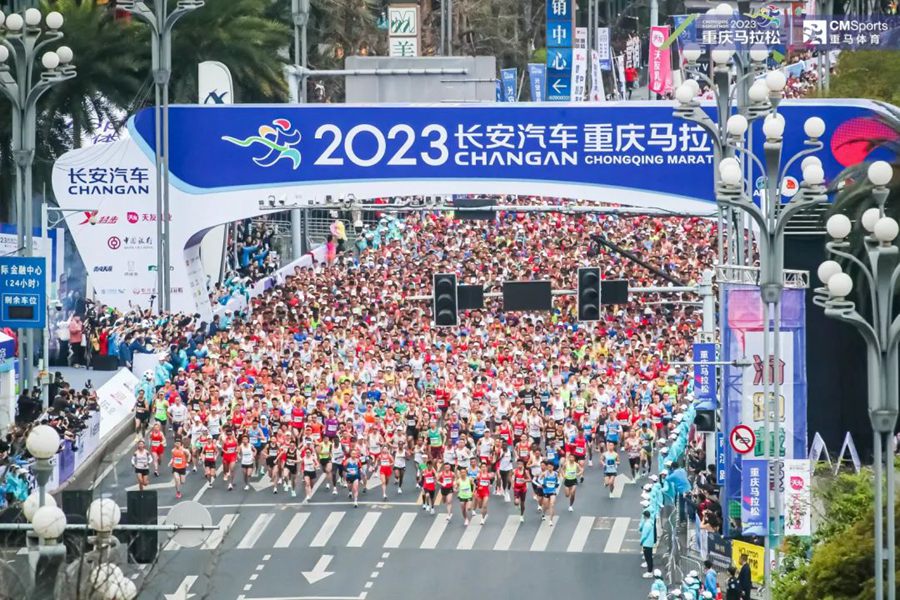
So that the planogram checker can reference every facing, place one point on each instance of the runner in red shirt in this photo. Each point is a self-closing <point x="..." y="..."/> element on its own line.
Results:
<point x="385" y="469"/>
<point x="429" y="486"/>
<point x="521" y="477"/>
<point x="446" y="480"/>
<point x="210" y="451"/>
<point x="483" y="482"/>
<point x="157" y="446"/>
<point x="229" y="457"/>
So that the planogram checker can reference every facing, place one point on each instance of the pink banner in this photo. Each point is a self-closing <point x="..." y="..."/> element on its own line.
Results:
<point x="660" y="61"/>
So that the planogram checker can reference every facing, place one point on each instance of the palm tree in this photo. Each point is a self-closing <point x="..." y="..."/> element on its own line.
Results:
<point x="239" y="34"/>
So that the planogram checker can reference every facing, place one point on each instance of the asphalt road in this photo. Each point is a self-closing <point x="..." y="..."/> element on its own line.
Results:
<point x="274" y="547"/>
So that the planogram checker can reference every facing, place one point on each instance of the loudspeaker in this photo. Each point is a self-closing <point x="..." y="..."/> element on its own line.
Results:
<point x="142" y="510"/>
<point x="75" y="504"/>
<point x="705" y="421"/>
<point x="104" y="363"/>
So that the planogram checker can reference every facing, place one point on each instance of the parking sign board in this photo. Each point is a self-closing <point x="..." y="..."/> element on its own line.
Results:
<point x="23" y="292"/>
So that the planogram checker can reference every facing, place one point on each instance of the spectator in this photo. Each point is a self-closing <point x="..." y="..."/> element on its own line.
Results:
<point x="745" y="579"/>
<point x="76" y="340"/>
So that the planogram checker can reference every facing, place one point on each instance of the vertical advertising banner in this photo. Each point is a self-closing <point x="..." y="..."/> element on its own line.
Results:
<point x="537" y="77"/>
<point x="743" y="398"/>
<point x="509" y="81"/>
<point x="754" y="497"/>
<point x="659" y="61"/>
<point x="720" y="458"/>
<point x="797" y="497"/>
<point x="603" y="50"/>
<point x="579" y="65"/>
<point x="598" y="94"/>
<point x="705" y="376"/>
<point x="499" y="91"/>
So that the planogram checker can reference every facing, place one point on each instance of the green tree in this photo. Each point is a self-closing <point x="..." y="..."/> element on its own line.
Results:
<point x="240" y="34"/>
<point x="873" y="74"/>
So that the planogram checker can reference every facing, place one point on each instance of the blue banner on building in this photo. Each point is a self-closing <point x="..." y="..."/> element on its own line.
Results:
<point x="705" y="376"/>
<point x="23" y="292"/>
<point x="754" y="497"/>
<point x="509" y="79"/>
<point x="499" y="91"/>
<point x="537" y="77"/>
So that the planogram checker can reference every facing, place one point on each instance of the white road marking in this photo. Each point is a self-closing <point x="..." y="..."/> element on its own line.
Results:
<point x="616" y="535"/>
<point x="508" y="533"/>
<point x="467" y="541"/>
<point x="327" y="530"/>
<point x="619" y="485"/>
<point x="290" y="532"/>
<point x="215" y="538"/>
<point x="365" y="528"/>
<point x="543" y="536"/>
<point x="434" y="533"/>
<point x="318" y="572"/>
<point x="580" y="537"/>
<point x="400" y="530"/>
<point x="256" y="530"/>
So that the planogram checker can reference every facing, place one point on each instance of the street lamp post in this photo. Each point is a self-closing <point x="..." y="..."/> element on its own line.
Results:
<point x="161" y="23"/>
<point x="22" y="40"/>
<point x="734" y="184"/>
<point x="40" y="509"/>
<point x="879" y="271"/>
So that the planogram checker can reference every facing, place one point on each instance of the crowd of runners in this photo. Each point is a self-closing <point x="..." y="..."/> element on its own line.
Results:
<point x="336" y="373"/>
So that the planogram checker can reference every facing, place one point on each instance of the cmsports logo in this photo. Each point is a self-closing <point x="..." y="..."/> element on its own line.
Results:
<point x="280" y="140"/>
<point x="815" y="32"/>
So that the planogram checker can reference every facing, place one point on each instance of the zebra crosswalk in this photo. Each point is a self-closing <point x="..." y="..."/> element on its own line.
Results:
<point x="409" y="529"/>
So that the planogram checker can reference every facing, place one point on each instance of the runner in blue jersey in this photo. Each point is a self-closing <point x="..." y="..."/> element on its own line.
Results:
<point x="613" y="430"/>
<point x="610" y="460"/>
<point x="549" y="488"/>
<point x="352" y="470"/>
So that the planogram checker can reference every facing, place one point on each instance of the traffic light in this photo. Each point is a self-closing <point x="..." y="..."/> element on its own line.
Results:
<point x="446" y="305"/>
<point x="588" y="294"/>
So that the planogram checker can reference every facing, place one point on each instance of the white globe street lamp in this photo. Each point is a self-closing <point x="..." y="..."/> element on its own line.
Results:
<point x="773" y="126"/>
<point x="43" y="442"/>
<point x="869" y="218"/>
<point x="104" y="515"/>
<point x="827" y="270"/>
<point x="33" y="17"/>
<point x="880" y="173"/>
<point x="886" y="230"/>
<point x="54" y="20"/>
<point x="49" y="522"/>
<point x="838" y="227"/>
<point x="736" y="125"/>
<point x="50" y="60"/>
<point x="15" y="23"/>
<point x="840" y="285"/>
<point x="33" y="502"/>
<point x="814" y="128"/>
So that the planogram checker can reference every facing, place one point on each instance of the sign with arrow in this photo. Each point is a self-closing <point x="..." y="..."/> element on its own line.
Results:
<point x="183" y="591"/>
<point x="742" y="439"/>
<point x="318" y="572"/>
<point x="559" y="87"/>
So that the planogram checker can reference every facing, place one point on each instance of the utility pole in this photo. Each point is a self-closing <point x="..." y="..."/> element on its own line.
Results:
<point x="300" y="15"/>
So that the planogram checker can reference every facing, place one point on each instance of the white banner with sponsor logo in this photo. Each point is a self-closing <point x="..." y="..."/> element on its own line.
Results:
<point x="579" y="65"/>
<point x="197" y="282"/>
<point x="797" y="497"/>
<point x="116" y="399"/>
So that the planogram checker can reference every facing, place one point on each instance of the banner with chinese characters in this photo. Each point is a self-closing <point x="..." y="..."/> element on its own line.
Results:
<point x="659" y="61"/>
<point x="537" y="78"/>
<point x="755" y="497"/>
<point x="579" y="65"/>
<point x="639" y="152"/>
<point x="797" y="497"/>
<point x="743" y="394"/>
<point x="603" y="49"/>
<point x="560" y="33"/>
<point x="597" y="92"/>
<point x="509" y="79"/>
<point x="705" y="376"/>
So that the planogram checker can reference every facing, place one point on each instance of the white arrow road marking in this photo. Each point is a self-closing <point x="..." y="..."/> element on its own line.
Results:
<point x="619" y="486"/>
<point x="262" y="484"/>
<point x="182" y="592"/>
<point x="319" y="573"/>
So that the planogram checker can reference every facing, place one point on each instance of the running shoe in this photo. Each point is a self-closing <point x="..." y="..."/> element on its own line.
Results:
<point x="466" y="522"/>
<point x="355" y="505"/>
<point x="275" y="489"/>
<point x="432" y="510"/>
<point x="647" y="575"/>
<point x="327" y="486"/>
<point x="483" y="519"/>
<point x="230" y="487"/>
<point x="590" y="462"/>
<point x="209" y="484"/>
<point x="522" y="519"/>
<point x="506" y="496"/>
<point x="334" y="492"/>
<point x="246" y="487"/>
<point x="571" y="509"/>
<point x="399" y="491"/>
<point x="178" y="494"/>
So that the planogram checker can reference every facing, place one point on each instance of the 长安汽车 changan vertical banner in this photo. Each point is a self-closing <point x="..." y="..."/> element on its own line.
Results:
<point x="744" y="401"/>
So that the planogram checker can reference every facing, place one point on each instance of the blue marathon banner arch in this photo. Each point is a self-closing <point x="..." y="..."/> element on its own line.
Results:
<point x="225" y="158"/>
